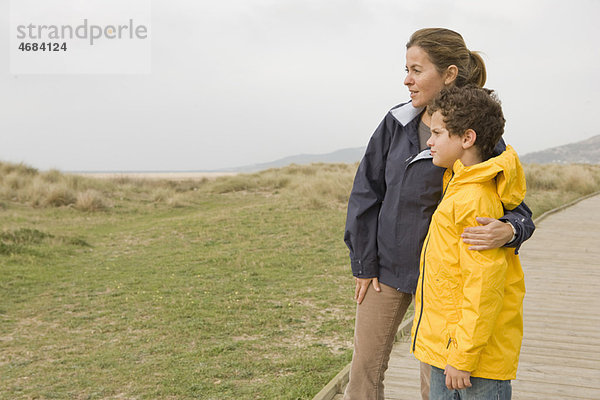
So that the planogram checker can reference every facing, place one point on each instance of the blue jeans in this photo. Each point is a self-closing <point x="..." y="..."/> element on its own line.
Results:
<point x="482" y="389"/>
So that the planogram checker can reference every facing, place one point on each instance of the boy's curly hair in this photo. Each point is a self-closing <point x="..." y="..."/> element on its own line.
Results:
<point x="471" y="107"/>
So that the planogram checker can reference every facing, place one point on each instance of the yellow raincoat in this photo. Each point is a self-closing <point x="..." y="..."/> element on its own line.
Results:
<point x="469" y="304"/>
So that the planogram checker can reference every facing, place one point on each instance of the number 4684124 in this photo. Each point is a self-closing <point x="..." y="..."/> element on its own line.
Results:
<point x="49" y="46"/>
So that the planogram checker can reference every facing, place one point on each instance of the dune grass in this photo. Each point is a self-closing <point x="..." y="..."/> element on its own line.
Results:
<point x="552" y="185"/>
<point x="234" y="288"/>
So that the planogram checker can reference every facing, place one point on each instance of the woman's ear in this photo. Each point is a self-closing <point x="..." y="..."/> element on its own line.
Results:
<point x="451" y="74"/>
<point x="469" y="138"/>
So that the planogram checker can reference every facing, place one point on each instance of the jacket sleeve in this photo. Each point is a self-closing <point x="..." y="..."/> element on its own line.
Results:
<point x="520" y="217"/>
<point x="483" y="275"/>
<point x="364" y="204"/>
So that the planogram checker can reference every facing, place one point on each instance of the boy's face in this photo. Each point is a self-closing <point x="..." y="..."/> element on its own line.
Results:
<point x="445" y="148"/>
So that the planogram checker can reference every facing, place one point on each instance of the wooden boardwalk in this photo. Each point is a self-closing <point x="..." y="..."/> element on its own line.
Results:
<point x="560" y="355"/>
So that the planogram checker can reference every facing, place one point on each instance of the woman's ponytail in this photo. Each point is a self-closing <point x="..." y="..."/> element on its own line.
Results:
<point x="477" y="75"/>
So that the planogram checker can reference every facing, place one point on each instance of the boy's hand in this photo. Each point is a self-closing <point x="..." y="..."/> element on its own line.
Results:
<point x="491" y="234"/>
<point x="361" y="288"/>
<point x="456" y="379"/>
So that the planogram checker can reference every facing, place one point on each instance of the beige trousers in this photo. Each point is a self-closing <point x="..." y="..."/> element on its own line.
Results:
<point x="377" y="321"/>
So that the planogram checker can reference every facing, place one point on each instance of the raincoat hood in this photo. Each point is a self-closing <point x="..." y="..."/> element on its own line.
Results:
<point x="506" y="168"/>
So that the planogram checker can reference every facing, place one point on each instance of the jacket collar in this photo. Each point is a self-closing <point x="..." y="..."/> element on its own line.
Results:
<point x="406" y="112"/>
<point x="425" y="154"/>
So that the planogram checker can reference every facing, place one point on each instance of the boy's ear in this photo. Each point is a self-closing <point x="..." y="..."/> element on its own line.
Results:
<point x="469" y="138"/>
<point x="451" y="74"/>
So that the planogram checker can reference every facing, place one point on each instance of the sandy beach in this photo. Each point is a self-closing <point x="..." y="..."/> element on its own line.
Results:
<point x="178" y="176"/>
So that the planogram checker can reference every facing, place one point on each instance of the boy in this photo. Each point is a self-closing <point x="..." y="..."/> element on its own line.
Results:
<point x="468" y="306"/>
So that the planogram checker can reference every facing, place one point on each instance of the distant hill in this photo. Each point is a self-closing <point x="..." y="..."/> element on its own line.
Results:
<point x="351" y="155"/>
<point x="584" y="152"/>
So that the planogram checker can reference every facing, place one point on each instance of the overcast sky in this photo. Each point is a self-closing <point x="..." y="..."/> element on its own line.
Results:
<point x="237" y="82"/>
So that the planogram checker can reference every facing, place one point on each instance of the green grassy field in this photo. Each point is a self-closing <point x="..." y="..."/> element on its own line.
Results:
<point x="237" y="288"/>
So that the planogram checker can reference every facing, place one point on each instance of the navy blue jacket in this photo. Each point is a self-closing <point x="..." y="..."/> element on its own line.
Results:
<point x="395" y="192"/>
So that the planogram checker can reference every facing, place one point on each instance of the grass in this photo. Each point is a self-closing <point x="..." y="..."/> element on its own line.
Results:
<point x="552" y="185"/>
<point x="234" y="288"/>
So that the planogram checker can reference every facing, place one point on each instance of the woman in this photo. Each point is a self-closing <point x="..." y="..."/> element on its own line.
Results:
<point x="395" y="192"/>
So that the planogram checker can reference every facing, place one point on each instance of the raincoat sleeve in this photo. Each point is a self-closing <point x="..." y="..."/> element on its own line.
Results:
<point x="483" y="274"/>
<point x="364" y="204"/>
<point x="519" y="217"/>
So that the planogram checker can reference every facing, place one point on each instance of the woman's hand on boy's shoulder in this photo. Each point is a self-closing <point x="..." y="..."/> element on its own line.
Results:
<point x="457" y="379"/>
<point x="491" y="234"/>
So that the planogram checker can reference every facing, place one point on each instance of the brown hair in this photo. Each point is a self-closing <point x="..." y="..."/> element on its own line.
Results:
<point x="444" y="48"/>
<point x="471" y="107"/>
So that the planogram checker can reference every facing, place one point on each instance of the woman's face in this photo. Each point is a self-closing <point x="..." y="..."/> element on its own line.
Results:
<point x="423" y="79"/>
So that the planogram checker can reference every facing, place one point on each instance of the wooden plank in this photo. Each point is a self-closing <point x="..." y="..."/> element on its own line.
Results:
<point x="585" y="331"/>
<point x="585" y="318"/>
<point x="559" y="354"/>
<point x="552" y="378"/>
<point x="527" y="392"/>
<point x="539" y="359"/>
<point x="517" y="395"/>
<point x="546" y="359"/>
<point x="593" y="374"/>
<point x="533" y="300"/>
<point x="550" y="344"/>
<point x="555" y="390"/>
<point x="558" y="335"/>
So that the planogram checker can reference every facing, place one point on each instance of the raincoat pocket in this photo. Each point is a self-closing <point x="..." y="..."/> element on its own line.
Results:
<point x="447" y="296"/>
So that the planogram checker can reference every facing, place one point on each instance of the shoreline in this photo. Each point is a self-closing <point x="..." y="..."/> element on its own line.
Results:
<point x="155" y="175"/>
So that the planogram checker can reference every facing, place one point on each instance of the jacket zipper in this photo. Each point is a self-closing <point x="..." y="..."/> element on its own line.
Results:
<point x="423" y="272"/>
